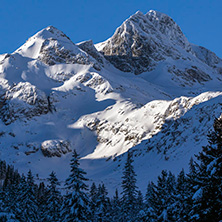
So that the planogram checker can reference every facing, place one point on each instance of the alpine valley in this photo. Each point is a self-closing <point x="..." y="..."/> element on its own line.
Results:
<point x="145" y="89"/>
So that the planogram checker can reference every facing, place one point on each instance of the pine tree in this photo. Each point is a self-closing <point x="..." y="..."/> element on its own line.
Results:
<point x="207" y="200"/>
<point x="182" y="204"/>
<point x="116" y="207"/>
<point x="27" y="207"/>
<point x="93" y="195"/>
<point x="8" y="180"/>
<point x="10" y="188"/>
<point x="53" y="201"/>
<point x="103" y="206"/>
<point x="129" y="187"/>
<point x="140" y="211"/>
<point x="2" y="198"/>
<point x="3" y="168"/>
<point x="161" y="198"/>
<point x="76" y="203"/>
<point x="139" y="201"/>
<point x="151" y="203"/>
<point x="172" y="197"/>
<point x="42" y="198"/>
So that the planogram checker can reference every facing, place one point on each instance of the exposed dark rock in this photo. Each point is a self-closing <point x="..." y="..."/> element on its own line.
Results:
<point x="206" y="56"/>
<point x="89" y="48"/>
<point x="32" y="148"/>
<point x="138" y="44"/>
<point x="190" y="75"/>
<point x="57" y="148"/>
<point x="53" y="52"/>
<point x="23" y="100"/>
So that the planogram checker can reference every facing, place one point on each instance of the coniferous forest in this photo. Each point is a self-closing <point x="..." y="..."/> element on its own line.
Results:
<point x="192" y="196"/>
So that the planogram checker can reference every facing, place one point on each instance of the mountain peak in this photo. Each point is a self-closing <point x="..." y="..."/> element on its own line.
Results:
<point x="167" y="26"/>
<point x="138" y="13"/>
<point x="143" y="40"/>
<point x="33" y="45"/>
<point x="51" y="28"/>
<point x="51" y="46"/>
<point x="156" y="14"/>
<point x="52" y="32"/>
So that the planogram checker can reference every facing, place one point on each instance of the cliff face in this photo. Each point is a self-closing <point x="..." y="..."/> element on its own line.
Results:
<point x="143" y="42"/>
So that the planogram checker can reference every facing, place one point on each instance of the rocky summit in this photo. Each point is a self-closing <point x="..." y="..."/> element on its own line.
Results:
<point x="145" y="89"/>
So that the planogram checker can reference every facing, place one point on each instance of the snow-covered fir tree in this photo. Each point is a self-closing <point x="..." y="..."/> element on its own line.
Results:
<point x="150" y="201"/>
<point x="182" y="198"/>
<point x="140" y="213"/>
<point x="42" y="197"/>
<point x="116" y="207"/>
<point x="207" y="200"/>
<point x="139" y="200"/>
<point x="3" y="168"/>
<point x="129" y="193"/>
<point x="53" y="201"/>
<point x="93" y="195"/>
<point x="164" y="197"/>
<point x="103" y="207"/>
<point x="27" y="206"/>
<point x="76" y="202"/>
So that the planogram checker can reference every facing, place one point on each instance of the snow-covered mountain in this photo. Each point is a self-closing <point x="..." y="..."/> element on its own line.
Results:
<point x="146" y="88"/>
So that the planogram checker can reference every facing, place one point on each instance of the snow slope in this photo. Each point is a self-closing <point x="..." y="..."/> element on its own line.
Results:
<point x="56" y="96"/>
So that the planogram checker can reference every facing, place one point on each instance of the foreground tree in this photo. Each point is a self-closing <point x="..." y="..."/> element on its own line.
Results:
<point x="182" y="203"/>
<point x="129" y="193"/>
<point x="150" y="203"/>
<point x="76" y="202"/>
<point x="207" y="184"/>
<point x="93" y="195"/>
<point x="116" y="207"/>
<point x="27" y="207"/>
<point x="54" y="198"/>
<point x="103" y="208"/>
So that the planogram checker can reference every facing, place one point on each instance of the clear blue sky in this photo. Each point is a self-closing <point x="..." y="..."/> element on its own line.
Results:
<point x="200" y="20"/>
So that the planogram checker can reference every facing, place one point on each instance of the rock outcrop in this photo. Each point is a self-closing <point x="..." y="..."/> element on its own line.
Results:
<point x="142" y="41"/>
<point x="51" y="148"/>
<point x="23" y="100"/>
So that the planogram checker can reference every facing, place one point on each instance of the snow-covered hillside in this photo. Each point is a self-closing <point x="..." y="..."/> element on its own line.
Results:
<point x="146" y="89"/>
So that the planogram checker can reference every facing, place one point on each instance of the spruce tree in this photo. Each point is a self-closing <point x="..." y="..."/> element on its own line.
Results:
<point x="151" y="203"/>
<point x="2" y="198"/>
<point x="182" y="200"/>
<point x="76" y="203"/>
<point x="27" y="206"/>
<point x="116" y="207"/>
<point x="8" y="180"/>
<point x="53" y="201"/>
<point x="10" y="188"/>
<point x="93" y="195"/>
<point x="3" y="168"/>
<point x="103" y="206"/>
<point x="164" y="194"/>
<point x="191" y="178"/>
<point x="172" y="197"/>
<point x="207" y="199"/>
<point x="140" y="211"/>
<point x="42" y="197"/>
<point x="140" y="204"/>
<point x="129" y="187"/>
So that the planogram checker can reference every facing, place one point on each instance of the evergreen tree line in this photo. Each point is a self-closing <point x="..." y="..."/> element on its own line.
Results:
<point x="195" y="196"/>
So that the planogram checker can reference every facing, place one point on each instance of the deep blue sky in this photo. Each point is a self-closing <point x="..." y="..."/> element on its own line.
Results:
<point x="200" y="20"/>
